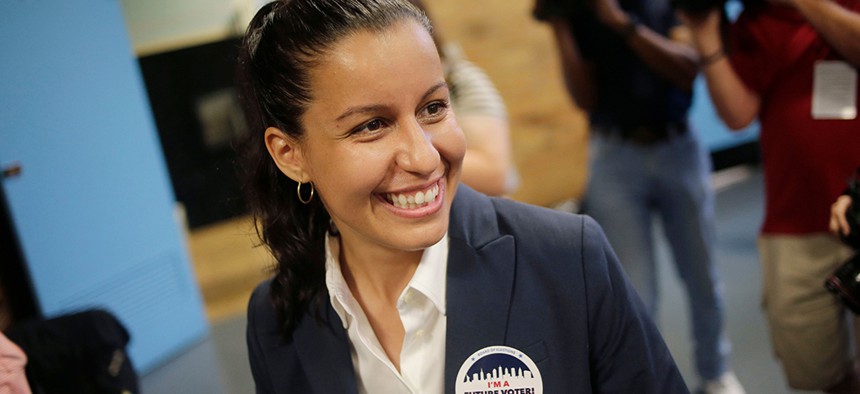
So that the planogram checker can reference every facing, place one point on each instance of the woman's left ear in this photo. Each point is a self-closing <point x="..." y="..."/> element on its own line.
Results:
<point x="287" y="154"/>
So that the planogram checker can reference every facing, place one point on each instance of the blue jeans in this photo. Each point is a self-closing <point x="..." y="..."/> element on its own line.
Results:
<point x="628" y="187"/>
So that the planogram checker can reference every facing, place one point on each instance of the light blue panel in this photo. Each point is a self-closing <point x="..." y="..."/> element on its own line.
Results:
<point x="93" y="207"/>
<point x="711" y="130"/>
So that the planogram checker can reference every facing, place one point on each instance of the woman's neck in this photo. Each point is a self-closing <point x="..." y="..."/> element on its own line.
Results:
<point x="376" y="278"/>
<point x="379" y="274"/>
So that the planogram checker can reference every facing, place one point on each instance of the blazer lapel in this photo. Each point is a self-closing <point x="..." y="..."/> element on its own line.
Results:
<point x="481" y="267"/>
<point x="323" y="349"/>
<point x="480" y="283"/>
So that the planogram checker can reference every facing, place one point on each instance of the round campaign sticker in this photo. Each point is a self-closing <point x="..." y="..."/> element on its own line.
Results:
<point x="499" y="370"/>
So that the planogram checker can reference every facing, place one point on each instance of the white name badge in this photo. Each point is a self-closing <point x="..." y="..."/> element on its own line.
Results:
<point x="499" y="370"/>
<point x="834" y="91"/>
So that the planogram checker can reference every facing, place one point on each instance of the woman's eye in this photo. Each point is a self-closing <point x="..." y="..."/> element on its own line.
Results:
<point x="372" y="127"/>
<point x="435" y="110"/>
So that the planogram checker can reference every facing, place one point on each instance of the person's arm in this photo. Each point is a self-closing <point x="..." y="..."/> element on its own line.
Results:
<point x="579" y="76"/>
<point x="674" y="60"/>
<point x="481" y="114"/>
<point x="488" y="154"/>
<point x="839" y="26"/>
<point x="735" y="103"/>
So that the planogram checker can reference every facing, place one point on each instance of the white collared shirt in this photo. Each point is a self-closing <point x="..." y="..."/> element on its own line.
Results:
<point x="422" y="312"/>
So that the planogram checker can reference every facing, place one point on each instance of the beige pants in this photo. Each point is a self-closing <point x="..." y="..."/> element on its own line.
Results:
<point x="812" y="334"/>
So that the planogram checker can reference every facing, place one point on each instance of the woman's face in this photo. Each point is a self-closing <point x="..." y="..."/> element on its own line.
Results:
<point x="382" y="146"/>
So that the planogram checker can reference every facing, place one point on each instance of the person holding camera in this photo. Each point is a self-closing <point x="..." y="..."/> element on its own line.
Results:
<point x="792" y="64"/>
<point x="841" y="209"/>
<point x="627" y="65"/>
<point x="845" y="224"/>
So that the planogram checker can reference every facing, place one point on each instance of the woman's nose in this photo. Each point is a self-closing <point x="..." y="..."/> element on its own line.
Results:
<point x="417" y="153"/>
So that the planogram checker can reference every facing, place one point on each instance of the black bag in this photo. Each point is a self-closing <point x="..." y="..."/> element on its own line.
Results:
<point x="83" y="352"/>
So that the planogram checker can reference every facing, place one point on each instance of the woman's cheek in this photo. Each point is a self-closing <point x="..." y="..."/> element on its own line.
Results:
<point x="453" y="146"/>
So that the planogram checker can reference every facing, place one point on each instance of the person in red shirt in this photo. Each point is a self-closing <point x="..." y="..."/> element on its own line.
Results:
<point x="792" y="64"/>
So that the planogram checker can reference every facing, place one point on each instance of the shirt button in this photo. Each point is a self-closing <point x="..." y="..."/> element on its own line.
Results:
<point x="419" y="333"/>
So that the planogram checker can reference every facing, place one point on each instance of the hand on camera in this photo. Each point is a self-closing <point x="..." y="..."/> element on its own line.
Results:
<point x="838" y="221"/>
<point x="701" y="22"/>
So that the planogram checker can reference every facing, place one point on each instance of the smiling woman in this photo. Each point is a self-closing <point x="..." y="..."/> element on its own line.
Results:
<point x="369" y="139"/>
<point x="353" y="169"/>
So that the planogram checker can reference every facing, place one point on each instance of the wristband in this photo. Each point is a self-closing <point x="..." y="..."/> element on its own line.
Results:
<point x="706" y="61"/>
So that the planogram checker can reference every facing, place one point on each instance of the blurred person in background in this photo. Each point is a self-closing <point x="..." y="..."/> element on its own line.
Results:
<point x="792" y="64"/>
<point x="488" y="166"/>
<point x="627" y="65"/>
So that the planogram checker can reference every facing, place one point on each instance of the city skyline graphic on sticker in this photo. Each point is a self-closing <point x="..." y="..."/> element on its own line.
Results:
<point x="499" y="370"/>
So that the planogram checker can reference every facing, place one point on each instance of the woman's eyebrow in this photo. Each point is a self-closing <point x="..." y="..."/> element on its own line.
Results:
<point x="360" y="110"/>
<point x="433" y="89"/>
<point x="377" y="107"/>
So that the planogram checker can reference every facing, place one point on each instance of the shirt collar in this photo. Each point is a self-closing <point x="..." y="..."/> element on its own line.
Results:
<point x="429" y="279"/>
<point x="430" y="276"/>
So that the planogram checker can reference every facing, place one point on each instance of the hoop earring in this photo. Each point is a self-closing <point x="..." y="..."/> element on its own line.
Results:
<point x="299" y="193"/>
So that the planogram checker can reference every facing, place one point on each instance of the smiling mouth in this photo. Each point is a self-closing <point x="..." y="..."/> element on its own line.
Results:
<point x="413" y="200"/>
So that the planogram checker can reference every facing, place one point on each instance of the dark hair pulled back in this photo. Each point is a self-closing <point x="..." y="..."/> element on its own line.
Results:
<point x="283" y="42"/>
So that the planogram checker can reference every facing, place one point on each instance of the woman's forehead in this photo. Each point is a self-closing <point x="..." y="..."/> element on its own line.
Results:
<point x="388" y="62"/>
<point x="360" y="47"/>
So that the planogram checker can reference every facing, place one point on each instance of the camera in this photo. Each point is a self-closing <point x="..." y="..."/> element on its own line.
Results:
<point x="698" y="6"/>
<point x="694" y="6"/>
<point x="852" y="215"/>
<point x="845" y="281"/>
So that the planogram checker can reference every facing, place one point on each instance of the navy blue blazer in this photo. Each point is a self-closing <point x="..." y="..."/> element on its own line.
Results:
<point x="544" y="282"/>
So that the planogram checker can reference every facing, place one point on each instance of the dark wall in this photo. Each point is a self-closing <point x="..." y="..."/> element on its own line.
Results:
<point x="14" y="277"/>
<point x="746" y="153"/>
<point x="199" y="122"/>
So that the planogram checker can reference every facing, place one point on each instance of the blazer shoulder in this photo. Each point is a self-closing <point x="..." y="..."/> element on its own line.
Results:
<point x="543" y="231"/>
<point x="515" y="215"/>
<point x="261" y="311"/>
<point x="479" y="219"/>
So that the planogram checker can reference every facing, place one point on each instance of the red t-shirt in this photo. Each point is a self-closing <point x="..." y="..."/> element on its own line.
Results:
<point x="807" y="162"/>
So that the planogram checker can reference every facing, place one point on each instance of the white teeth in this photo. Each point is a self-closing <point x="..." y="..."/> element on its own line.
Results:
<point x="416" y="200"/>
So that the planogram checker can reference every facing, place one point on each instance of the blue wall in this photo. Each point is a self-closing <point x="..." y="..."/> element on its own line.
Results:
<point x="712" y="131"/>
<point x="93" y="207"/>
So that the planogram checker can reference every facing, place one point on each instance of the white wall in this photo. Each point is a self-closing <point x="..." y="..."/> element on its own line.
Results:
<point x="162" y="25"/>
